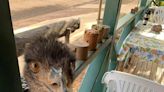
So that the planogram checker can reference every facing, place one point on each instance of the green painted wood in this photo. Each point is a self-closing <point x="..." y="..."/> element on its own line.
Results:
<point x="92" y="80"/>
<point x="123" y="22"/>
<point x="9" y="72"/>
<point x="111" y="13"/>
<point x="92" y="72"/>
<point x="98" y="87"/>
<point x="143" y="3"/>
<point x="127" y="20"/>
<point x="139" y="17"/>
<point x="127" y="29"/>
<point x="113" y="63"/>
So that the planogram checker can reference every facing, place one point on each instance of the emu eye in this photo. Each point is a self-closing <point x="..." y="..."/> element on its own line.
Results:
<point x="34" y="66"/>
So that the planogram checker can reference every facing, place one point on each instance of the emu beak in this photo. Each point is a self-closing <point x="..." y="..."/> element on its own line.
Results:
<point x="57" y="71"/>
<point x="59" y="79"/>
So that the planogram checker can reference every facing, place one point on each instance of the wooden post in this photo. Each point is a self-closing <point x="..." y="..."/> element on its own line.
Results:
<point x="111" y="15"/>
<point x="92" y="80"/>
<point x="127" y="29"/>
<point x="9" y="72"/>
<point x="142" y="3"/>
<point x="92" y="74"/>
<point x="99" y="13"/>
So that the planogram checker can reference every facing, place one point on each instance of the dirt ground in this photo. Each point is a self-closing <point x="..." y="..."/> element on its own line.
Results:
<point x="28" y="12"/>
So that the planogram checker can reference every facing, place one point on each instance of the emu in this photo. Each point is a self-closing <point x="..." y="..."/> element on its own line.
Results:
<point x="48" y="66"/>
<point x="45" y="64"/>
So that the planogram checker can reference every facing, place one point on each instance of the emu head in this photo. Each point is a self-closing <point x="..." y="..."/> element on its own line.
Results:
<point x="49" y="65"/>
